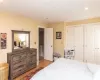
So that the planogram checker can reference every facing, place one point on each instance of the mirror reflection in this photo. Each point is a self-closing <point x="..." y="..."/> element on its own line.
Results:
<point x="21" y="40"/>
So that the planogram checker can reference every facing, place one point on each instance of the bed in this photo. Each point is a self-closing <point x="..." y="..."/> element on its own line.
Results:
<point x="64" y="69"/>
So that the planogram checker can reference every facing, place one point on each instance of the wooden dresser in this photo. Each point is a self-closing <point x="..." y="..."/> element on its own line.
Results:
<point x="21" y="61"/>
<point x="4" y="69"/>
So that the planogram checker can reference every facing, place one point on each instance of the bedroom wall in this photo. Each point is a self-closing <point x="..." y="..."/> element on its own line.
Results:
<point x="58" y="43"/>
<point x="9" y="21"/>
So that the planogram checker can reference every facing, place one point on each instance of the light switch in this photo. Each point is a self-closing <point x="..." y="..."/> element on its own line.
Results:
<point x="34" y="42"/>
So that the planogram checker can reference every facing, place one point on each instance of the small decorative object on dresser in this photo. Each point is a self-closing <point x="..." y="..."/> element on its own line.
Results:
<point x="4" y="69"/>
<point x="21" y="61"/>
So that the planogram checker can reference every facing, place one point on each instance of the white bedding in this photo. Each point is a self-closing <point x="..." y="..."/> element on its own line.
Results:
<point x="63" y="69"/>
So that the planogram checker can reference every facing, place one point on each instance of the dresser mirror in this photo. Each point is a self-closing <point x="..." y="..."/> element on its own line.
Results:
<point x="20" y="39"/>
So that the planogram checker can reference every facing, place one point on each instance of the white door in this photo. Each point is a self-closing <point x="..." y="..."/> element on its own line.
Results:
<point x="89" y="43"/>
<point x="70" y="38"/>
<point x="97" y="43"/>
<point x="78" y="42"/>
<point x="48" y="44"/>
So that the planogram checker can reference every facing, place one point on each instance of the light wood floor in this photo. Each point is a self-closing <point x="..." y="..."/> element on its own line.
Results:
<point x="43" y="63"/>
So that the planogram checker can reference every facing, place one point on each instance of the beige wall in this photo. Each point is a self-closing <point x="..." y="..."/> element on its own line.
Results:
<point x="86" y="21"/>
<point x="10" y="22"/>
<point x="58" y="43"/>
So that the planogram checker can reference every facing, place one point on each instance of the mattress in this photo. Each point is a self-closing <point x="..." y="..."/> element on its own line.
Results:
<point x="65" y="69"/>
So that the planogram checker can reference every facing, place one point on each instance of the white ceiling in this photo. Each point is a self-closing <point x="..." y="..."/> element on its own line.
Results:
<point x="54" y="10"/>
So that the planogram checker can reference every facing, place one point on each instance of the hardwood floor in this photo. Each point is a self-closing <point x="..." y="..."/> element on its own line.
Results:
<point x="43" y="64"/>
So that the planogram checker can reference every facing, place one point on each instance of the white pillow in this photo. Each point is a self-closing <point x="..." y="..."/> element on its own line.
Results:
<point x="97" y="75"/>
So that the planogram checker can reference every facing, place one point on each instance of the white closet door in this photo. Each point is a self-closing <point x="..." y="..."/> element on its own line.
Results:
<point x="78" y="43"/>
<point x="97" y="43"/>
<point x="89" y="43"/>
<point x="70" y="38"/>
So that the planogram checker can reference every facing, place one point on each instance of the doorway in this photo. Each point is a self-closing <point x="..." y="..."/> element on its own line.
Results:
<point x="41" y="44"/>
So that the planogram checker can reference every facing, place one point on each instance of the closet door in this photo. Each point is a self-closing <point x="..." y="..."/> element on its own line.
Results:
<point x="89" y="43"/>
<point x="70" y="38"/>
<point x="78" y="43"/>
<point x="97" y="43"/>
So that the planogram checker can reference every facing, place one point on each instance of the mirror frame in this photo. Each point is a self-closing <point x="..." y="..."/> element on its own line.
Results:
<point x="18" y="31"/>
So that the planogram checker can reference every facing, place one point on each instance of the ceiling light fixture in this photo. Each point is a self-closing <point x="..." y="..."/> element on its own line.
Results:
<point x="1" y="1"/>
<point x="86" y="8"/>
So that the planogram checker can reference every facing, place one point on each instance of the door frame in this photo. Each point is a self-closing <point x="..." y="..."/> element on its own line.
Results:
<point x="38" y="42"/>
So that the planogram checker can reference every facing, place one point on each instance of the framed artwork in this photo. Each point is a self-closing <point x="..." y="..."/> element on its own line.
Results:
<point x="58" y="35"/>
<point x="3" y="37"/>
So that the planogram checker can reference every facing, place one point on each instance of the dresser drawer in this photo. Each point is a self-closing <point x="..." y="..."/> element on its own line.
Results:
<point x="33" y="52"/>
<point x="18" y="72"/>
<point x="23" y="56"/>
<point x="16" y="59"/>
<point x="31" y="59"/>
<point x="18" y="65"/>
<point x="31" y="66"/>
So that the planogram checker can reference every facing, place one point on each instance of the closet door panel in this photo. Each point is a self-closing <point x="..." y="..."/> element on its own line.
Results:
<point x="89" y="43"/>
<point x="97" y="43"/>
<point x="78" y="43"/>
<point x="70" y="38"/>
